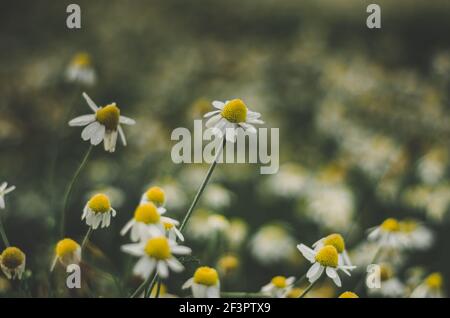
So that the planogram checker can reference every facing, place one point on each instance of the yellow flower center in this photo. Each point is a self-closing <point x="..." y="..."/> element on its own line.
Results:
<point x="390" y="225"/>
<point x="168" y="226"/>
<point x="279" y="281"/>
<point x="147" y="213"/>
<point x="327" y="256"/>
<point x="335" y="240"/>
<point x="66" y="247"/>
<point x="294" y="293"/>
<point x="228" y="263"/>
<point x="156" y="195"/>
<point x="206" y="276"/>
<point x="81" y="60"/>
<point x="99" y="203"/>
<point x="348" y="294"/>
<point x="408" y="226"/>
<point x="235" y="111"/>
<point x="158" y="247"/>
<point x="12" y="257"/>
<point x="434" y="281"/>
<point x="108" y="116"/>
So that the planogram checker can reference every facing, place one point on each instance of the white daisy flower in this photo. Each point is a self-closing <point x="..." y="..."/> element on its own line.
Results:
<point x="12" y="262"/>
<point x="231" y="116"/>
<point x="157" y="196"/>
<point x="147" y="222"/>
<point x="430" y="288"/>
<point x="387" y="234"/>
<point x="279" y="286"/>
<point x="67" y="252"/>
<point x="326" y="259"/>
<point x="272" y="244"/>
<point x="98" y="211"/>
<point x="204" y="284"/>
<point x="80" y="70"/>
<point x="338" y="242"/>
<point x="416" y="235"/>
<point x="3" y="191"/>
<point x="104" y="125"/>
<point x="156" y="253"/>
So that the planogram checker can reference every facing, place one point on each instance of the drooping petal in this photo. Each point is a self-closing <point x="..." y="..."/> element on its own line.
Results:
<point x="126" y="120"/>
<point x="82" y="120"/>
<point x="90" y="102"/>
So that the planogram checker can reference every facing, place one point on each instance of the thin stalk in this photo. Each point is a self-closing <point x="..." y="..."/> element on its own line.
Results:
<point x="3" y="234"/>
<point x="149" y="290"/>
<point x="86" y="237"/>
<point x="202" y="188"/>
<point x="158" y="288"/>
<point x="70" y="187"/>
<point x="306" y="291"/>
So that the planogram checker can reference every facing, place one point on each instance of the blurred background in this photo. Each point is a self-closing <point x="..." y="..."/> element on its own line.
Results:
<point x="363" y="117"/>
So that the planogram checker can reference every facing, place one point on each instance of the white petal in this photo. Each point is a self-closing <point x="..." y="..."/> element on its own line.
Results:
<point x="10" y="189"/>
<point x="98" y="135"/>
<point x="313" y="270"/>
<point x="163" y="271"/>
<point x="122" y="135"/>
<point x="213" y="121"/>
<point x="181" y="250"/>
<point x="218" y="104"/>
<point x="209" y="114"/>
<point x="133" y="249"/>
<point x="90" y="102"/>
<point x="90" y="130"/>
<point x="126" y="120"/>
<point x="188" y="283"/>
<point x="308" y="253"/>
<point x="175" y="265"/>
<point x="82" y="120"/>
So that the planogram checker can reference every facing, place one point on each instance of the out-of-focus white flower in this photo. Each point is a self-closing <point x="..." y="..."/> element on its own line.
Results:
<point x="147" y="221"/>
<point x="228" y="264"/>
<point x="430" y="288"/>
<point x="390" y="286"/>
<point x="171" y="230"/>
<point x="432" y="166"/>
<point x="272" y="244"/>
<point x="98" y="211"/>
<point x="103" y="125"/>
<point x="67" y="252"/>
<point x="237" y="232"/>
<point x="3" y="191"/>
<point x="217" y="197"/>
<point x="204" y="284"/>
<point x="80" y="70"/>
<point x="290" y="181"/>
<point x="416" y="235"/>
<point x="12" y="262"/>
<point x="387" y="234"/>
<point x="338" y="242"/>
<point x="279" y="286"/>
<point x="331" y="206"/>
<point x="231" y="116"/>
<point x="156" y="253"/>
<point x="325" y="259"/>
<point x="175" y="196"/>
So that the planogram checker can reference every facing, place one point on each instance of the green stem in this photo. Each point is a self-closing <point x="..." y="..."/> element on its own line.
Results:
<point x="299" y="280"/>
<point x="202" y="188"/>
<point x="158" y="288"/>
<point x="70" y="187"/>
<point x="306" y="291"/>
<point x="3" y="234"/>
<point x="86" y="237"/>
<point x="243" y="295"/>
<point x="149" y="290"/>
